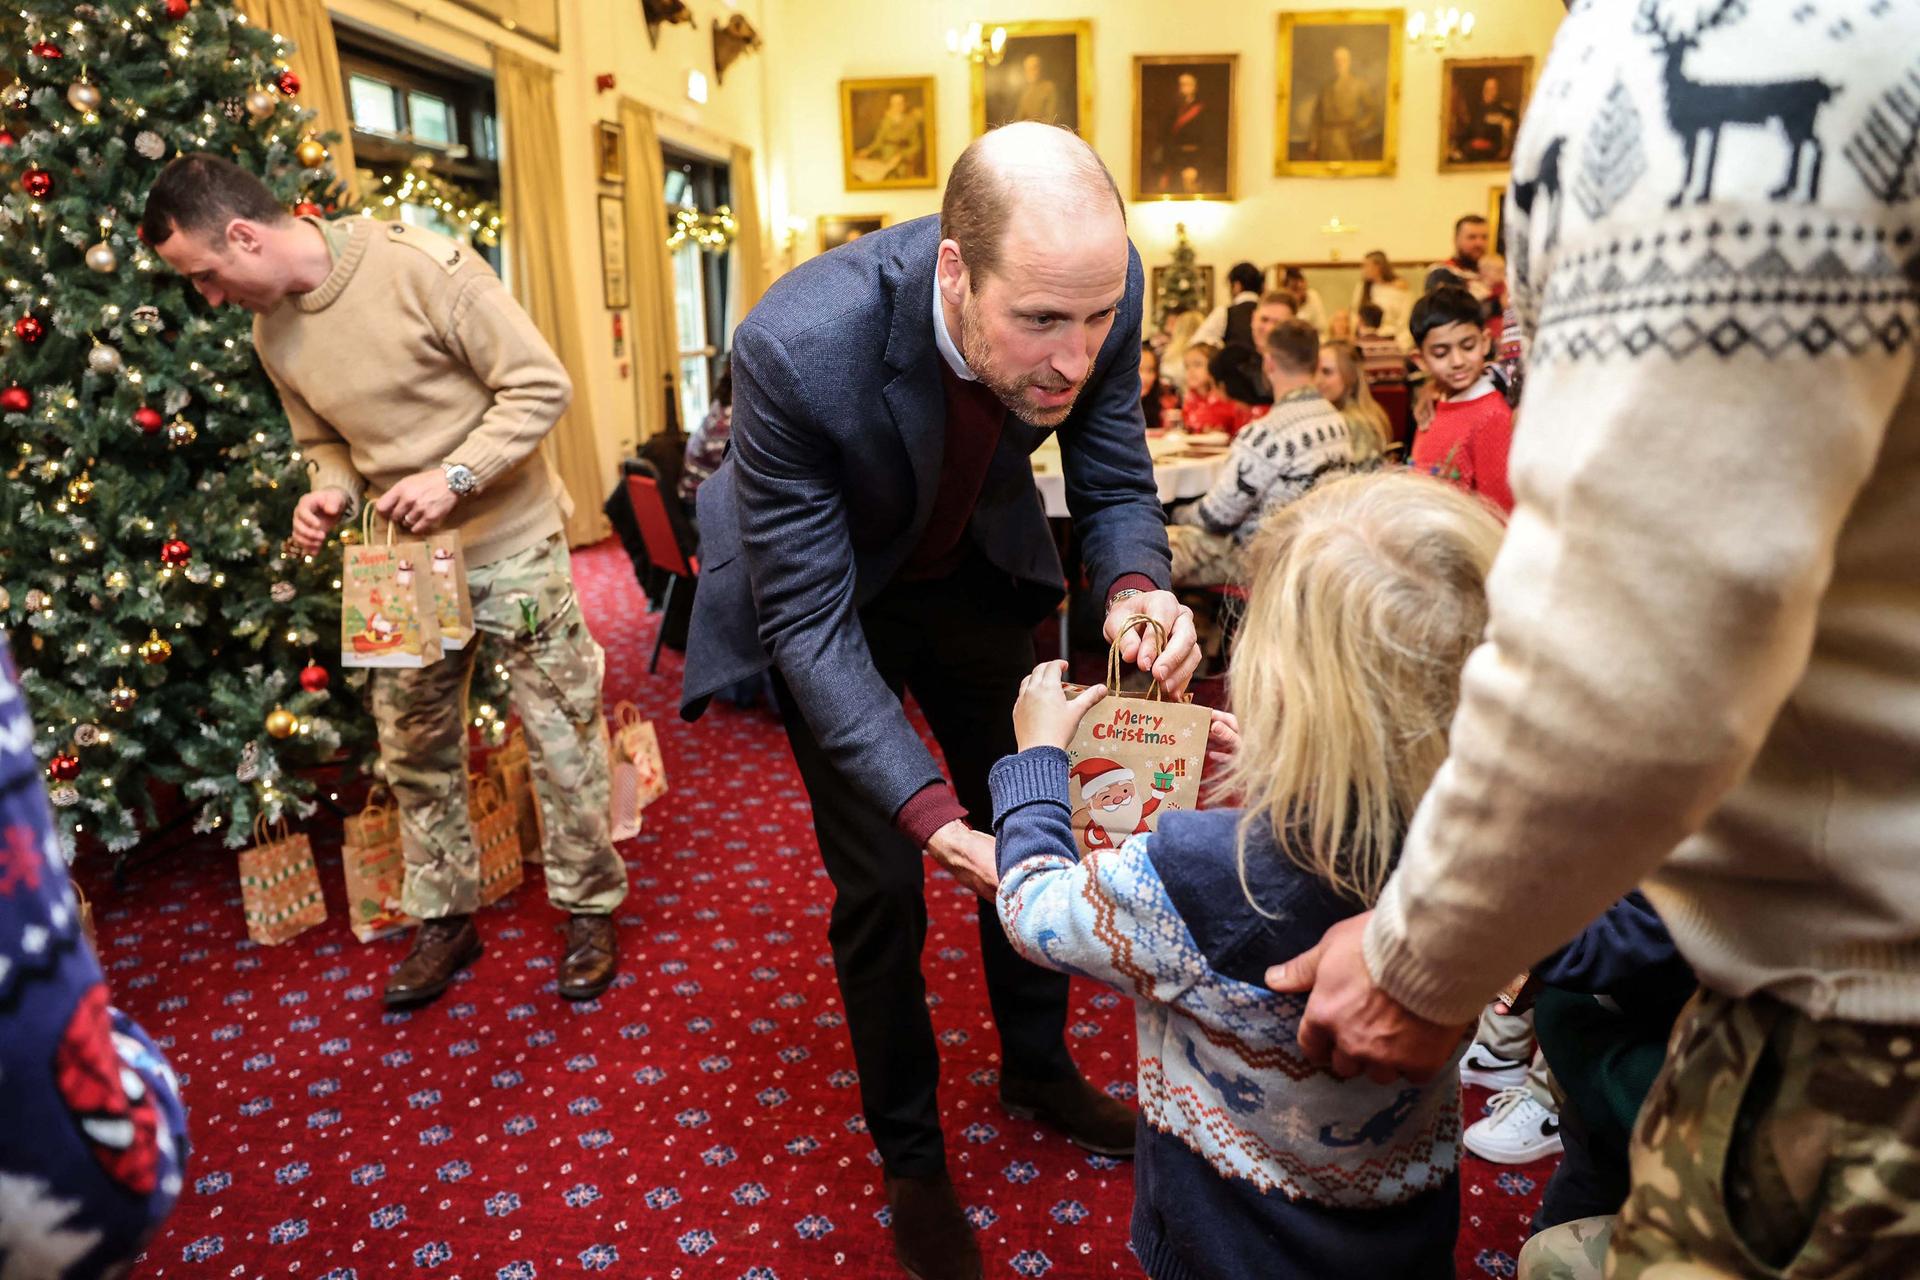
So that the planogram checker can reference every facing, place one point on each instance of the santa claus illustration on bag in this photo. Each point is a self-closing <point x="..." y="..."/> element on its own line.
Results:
<point x="1111" y="809"/>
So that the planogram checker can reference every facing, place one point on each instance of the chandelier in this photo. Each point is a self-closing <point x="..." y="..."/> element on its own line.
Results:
<point x="978" y="43"/>
<point x="1441" y="27"/>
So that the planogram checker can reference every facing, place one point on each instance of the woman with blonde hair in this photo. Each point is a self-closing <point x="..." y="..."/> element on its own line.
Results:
<point x="1366" y="597"/>
<point x="1173" y="358"/>
<point x="1341" y="382"/>
<point x="1381" y="286"/>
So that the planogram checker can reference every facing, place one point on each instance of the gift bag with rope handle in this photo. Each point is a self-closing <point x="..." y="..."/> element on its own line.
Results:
<point x="496" y="833"/>
<point x="1133" y="758"/>
<point x="447" y="579"/>
<point x="374" y="865"/>
<point x="279" y="884"/>
<point x="638" y="776"/>
<point x="387" y="612"/>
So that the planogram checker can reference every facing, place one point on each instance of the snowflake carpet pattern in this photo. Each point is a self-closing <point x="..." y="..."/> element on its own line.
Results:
<point x="700" y="1120"/>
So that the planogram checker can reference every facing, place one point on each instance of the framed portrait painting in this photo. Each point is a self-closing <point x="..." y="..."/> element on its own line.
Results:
<point x="613" y="253"/>
<point x="837" y="229"/>
<point x="1481" y="100"/>
<point x="887" y="133"/>
<point x="1046" y="74"/>
<point x="1339" y="93"/>
<point x="1183" y="126"/>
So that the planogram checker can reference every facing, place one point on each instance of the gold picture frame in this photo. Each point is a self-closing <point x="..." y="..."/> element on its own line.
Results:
<point x="609" y="152"/>
<point x="1479" y="134"/>
<point x="614" y="285"/>
<point x="836" y="229"/>
<point x="1496" y="211"/>
<point x="866" y="114"/>
<point x="1308" y="62"/>
<point x="1007" y="97"/>
<point x="1185" y="150"/>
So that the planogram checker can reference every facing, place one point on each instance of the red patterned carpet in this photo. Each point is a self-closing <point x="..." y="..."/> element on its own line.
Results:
<point x="700" y="1120"/>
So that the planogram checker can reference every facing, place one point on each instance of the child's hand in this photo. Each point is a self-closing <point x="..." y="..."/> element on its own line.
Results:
<point x="1223" y="742"/>
<point x="1044" y="716"/>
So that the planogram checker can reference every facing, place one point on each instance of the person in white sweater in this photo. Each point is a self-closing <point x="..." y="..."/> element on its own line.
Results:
<point x="1702" y="667"/>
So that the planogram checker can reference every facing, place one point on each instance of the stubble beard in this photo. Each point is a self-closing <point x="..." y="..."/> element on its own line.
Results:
<point x="976" y="351"/>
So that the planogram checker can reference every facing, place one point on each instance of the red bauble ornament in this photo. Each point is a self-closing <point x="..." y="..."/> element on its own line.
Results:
<point x="176" y="9"/>
<point x="45" y="49"/>
<point x="7" y="139"/>
<point x="64" y="767"/>
<point x="148" y="419"/>
<point x="37" y="183"/>
<point x="313" y="678"/>
<point x="29" y="328"/>
<point x="307" y="209"/>
<point x="289" y="83"/>
<point x="15" y="400"/>
<point x="174" y="553"/>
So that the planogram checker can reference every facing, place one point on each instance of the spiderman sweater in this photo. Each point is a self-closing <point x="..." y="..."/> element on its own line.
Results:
<point x="92" y="1132"/>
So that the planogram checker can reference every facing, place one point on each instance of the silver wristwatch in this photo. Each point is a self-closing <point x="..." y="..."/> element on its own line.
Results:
<point x="459" y="478"/>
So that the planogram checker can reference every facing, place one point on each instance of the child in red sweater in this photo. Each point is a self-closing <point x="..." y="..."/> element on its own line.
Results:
<point x="1207" y="407"/>
<point x="1467" y="438"/>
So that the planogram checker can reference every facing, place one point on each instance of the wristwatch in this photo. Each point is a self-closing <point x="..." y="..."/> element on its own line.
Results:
<point x="459" y="478"/>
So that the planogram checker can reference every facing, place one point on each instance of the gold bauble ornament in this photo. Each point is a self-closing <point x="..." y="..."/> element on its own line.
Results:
<point x="121" y="697"/>
<point x="102" y="258"/>
<point x="6" y="600"/>
<point x="154" y="650"/>
<point x="181" y="433"/>
<point x="119" y="580"/>
<point x="83" y="96"/>
<point x="80" y="489"/>
<point x="310" y="153"/>
<point x="260" y="103"/>
<point x="281" y="722"/>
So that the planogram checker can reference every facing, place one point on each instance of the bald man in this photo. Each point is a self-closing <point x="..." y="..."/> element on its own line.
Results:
<point x="875" y="530"/>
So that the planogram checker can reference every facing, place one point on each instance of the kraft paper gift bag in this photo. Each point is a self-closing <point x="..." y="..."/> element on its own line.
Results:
<point x="1133" y="759"/>
<point x="374" y="864"/>
<point x="496" y="832"/>
<point x="447" y="575"/>
<point x="639" y="776"/>
<point x="279" y="885"/>
<point x="511" y="770"/>
<point x="387" y="616"/>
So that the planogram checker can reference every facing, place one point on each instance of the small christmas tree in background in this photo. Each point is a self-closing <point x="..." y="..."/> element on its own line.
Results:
<point x="147" y="473"/>
<point x="1180" y="288"/>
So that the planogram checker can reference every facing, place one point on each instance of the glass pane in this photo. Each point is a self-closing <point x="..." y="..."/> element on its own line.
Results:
<point x="430" y="219"/>
<point x="679" y="188"/>
<point x="489" y="146"/>
<point x="690" y="296"/>
<point x="694" y="391"/>
<point x="375" y="107"/>
<point x="430" y="118"/>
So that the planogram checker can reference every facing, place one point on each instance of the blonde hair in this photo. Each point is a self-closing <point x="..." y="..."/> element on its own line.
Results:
<point x="1366" y="597"/>
<point x="1185" y="325"/>
<point x="1366" y="420"/>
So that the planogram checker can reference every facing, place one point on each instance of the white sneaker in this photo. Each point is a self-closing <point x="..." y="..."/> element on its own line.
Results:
<point x="1518" y="1131"/>
<point x="1484" y="1067"/>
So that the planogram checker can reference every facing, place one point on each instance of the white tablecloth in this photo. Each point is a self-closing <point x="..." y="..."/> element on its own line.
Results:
<point x="1183" y="467"/>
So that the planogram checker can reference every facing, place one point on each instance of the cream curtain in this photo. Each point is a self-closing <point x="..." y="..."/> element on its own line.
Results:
<point x="543" y="274"/>
<point x="656" y="332"/>
<point x="749" y="249"/>
<point x="316" y="60"/>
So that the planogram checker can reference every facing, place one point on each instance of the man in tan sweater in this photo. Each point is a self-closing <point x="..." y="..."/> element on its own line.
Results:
<point x="412" y="379"/>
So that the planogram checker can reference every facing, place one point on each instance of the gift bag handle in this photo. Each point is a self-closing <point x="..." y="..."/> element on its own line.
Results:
<point x="366" y="526"/>
<point x="379" y="799"/>
<point x="625" y="713"/>
<point x="1154" y="692"/>
<point x="267" y="833"/>
<point x="487" y="794"/>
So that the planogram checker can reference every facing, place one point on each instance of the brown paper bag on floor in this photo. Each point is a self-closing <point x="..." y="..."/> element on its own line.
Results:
<point x="387" y="616"/>
<point x="496" y="833"/>
<point x="447" y="575"/>
<point x="1133" y="759"/>
<point x="374" y="864"/>
<point x="279" y="884"/>
<point x="638" y="775"/>
<point x="511" y="769"/>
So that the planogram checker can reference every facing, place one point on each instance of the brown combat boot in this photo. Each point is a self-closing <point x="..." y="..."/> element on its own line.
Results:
<point x="441" y="948"/>
<point x="932" y="1239"/>
<point x="591" y="958"/>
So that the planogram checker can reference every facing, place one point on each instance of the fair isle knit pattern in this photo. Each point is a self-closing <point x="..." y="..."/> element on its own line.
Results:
<point x="1220" y="1064"/>
<point x="1274" y="461"/>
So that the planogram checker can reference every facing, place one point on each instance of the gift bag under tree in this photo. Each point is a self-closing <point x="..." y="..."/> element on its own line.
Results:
<point x="1134" y="758"/>
<point x="279" y="884"/>
<point x="447" y="579"/>
<point x="511" y="770"/>
<point x="639" y="776"/>
<point x="387" y="613"/>
<point x="374" y="863"/>
<point x="496" y="833"/>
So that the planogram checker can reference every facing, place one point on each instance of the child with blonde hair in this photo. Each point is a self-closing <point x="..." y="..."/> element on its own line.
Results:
<point x="1366" y="597"/>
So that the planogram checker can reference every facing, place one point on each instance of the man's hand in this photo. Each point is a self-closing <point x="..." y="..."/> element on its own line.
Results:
<point x="1044" y="716"/>
<point x="968" y="855"/>
<point x="1174" y="666"/>
<point x="418" y="503"/>
<point x="314" y="517"/>
<point x="1351" y="1026"/>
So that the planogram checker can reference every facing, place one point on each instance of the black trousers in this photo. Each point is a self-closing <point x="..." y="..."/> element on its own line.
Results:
<point x="959" y="647"/>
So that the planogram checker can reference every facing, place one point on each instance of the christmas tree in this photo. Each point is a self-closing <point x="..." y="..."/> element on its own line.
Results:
<point x="1180" y="287"/>
<point x="164" y="631"/>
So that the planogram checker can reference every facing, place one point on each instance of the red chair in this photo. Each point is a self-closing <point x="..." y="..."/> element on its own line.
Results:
<point x="1393" y="397"/>
<point x="663" y="548"/>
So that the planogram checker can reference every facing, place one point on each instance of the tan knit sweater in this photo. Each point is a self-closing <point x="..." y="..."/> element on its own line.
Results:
<point x="412" y="354"/>
<point x="1702" y="668"/>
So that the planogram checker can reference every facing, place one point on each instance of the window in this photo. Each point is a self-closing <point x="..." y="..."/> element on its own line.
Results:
<point x="699" y="282"/>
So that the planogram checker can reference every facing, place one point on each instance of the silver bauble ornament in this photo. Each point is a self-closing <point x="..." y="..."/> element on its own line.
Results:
<point x="281" y="592"/>
<point x="198" y="574"/>
<point x="64" y="797"/>
<point x="103" y="359"/>
<point x="83" y="96"/>
<point x="102" y="258"/>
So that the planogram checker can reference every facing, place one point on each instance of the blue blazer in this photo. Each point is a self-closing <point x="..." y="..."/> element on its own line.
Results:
<point x="839" y="428"/>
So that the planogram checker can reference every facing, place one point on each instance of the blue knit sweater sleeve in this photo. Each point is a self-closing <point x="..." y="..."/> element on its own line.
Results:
<point x="1106" y="916"/>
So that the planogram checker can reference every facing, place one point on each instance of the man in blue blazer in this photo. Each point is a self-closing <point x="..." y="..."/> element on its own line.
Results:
<point x="875" y="528"/>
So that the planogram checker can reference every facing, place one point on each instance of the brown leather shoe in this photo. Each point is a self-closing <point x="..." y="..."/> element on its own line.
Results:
<point x="592" y="956"/>
<point x="932" y="1239"/>
<point x="441" y="948"/>
<point x="1090" y="1119"/>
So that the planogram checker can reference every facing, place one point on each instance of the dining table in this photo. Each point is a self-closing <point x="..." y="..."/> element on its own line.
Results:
<point x="1184" y="466"/>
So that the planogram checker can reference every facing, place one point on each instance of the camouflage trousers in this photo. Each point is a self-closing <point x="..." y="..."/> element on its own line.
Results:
<point x="525" y="608"/>
<point x="1775" y="1145"/>
<point x="1574" y="1250"/>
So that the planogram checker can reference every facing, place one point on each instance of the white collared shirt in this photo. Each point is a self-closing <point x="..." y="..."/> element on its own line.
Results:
<point x="944" y="340"/>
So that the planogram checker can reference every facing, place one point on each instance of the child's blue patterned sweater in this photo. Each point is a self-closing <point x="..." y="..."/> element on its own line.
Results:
<point x="1250" y="1161"/>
